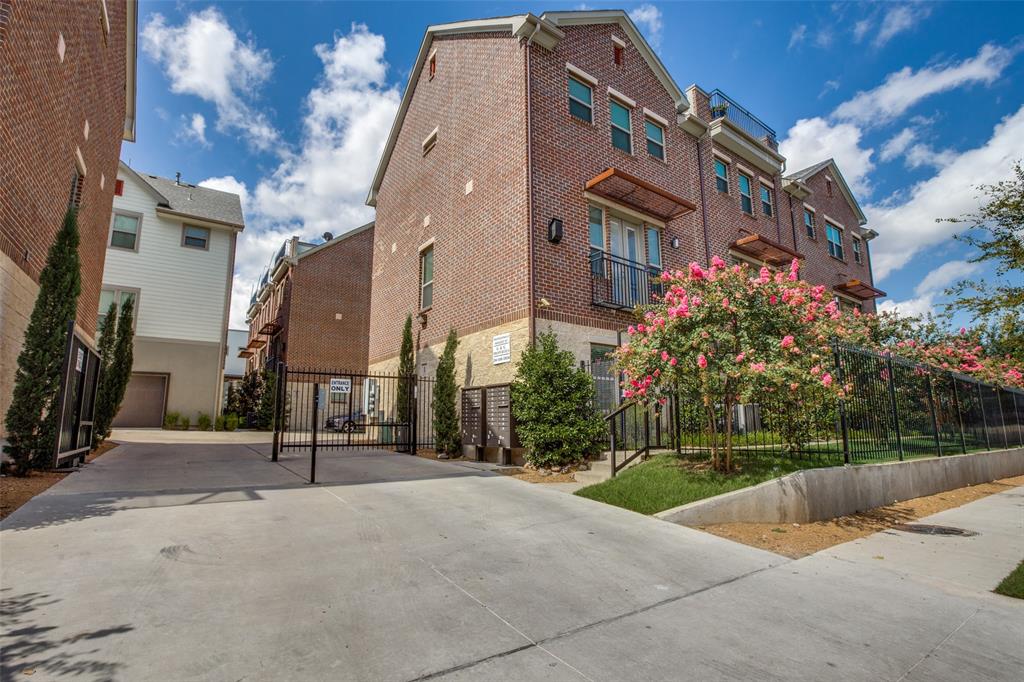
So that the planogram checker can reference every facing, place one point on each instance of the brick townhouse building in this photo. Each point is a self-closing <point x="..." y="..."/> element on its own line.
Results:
<point x="541" y="172"/>
<point x="311" y="307"/>
<point x="67" y="97"/>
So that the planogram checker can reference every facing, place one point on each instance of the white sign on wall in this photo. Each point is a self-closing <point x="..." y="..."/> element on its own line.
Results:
<point x="341" y="385"/>
<point x="501" y="349"/>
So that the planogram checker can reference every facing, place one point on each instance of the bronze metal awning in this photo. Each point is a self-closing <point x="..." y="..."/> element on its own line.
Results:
<point x="255" y="343"/>
<point x="639" y="195"/>
<point x="761" y="248"/>
<point x="246" y="353"/>
<point x="269" y="328"/>
<point x="859" y="289"/>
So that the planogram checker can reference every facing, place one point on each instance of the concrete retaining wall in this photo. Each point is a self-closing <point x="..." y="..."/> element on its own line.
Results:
<point x="819" y="494"/>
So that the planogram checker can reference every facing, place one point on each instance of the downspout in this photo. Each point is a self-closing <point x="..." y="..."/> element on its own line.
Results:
<point x="532" y="324"/>
<point x="792" y="221"/>
<point x="778" y="220"/>
<point x="703" y="204"/>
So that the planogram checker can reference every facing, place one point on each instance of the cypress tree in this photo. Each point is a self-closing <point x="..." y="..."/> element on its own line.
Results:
<point x="265" y="404"/>
<point x="124" y="356"/>
<point x="31" y="419"/>
<point x="104" y="409"/>
<point x="446" y="418"/>
<point x="406" y="370"/>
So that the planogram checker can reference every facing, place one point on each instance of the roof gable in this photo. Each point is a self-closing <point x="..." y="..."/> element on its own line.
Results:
<point x="829" y="164"/>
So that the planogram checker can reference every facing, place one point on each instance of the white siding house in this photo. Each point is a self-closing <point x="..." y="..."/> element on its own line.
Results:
<point x="171" y="246"/>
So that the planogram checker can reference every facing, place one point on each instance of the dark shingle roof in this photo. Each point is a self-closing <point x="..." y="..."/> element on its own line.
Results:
<point x="199" y="202"/>
<point x="809" y="171"/>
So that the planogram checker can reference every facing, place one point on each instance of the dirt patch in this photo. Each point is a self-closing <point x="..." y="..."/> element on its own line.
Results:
<point x="797" y="540"/>
<point x="17" y="490"/>
<point x="531" y="476"/>
<point x="429" y="453"/>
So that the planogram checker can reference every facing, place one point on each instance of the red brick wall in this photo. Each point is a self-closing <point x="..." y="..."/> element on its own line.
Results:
<point x="45" y="104"/>
<point x="477" y="100"/>
<point x="567" y="152"/>
<point x="333" y="281"/>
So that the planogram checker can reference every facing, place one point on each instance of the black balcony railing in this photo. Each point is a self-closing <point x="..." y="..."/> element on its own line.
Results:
<point x="722" y="106"/>
<point x="622" y="284"/>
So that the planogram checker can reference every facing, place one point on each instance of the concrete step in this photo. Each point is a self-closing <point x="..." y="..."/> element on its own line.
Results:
<point x="601" y="469"/>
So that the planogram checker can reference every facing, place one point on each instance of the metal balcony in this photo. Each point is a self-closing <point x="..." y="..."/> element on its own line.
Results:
<point x="622" y="284"/>
<point x="722" y="106"/>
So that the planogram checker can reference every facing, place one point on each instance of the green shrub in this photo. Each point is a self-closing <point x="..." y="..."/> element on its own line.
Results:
<point x="171" y="420"/>
<point x="218" y="424"/>
<point x="265" y="404"/>
<point x="185" y="423"/>
<point x="553" y="404"/>
<point x="231" y="422"/>
<point x="446" y="418"/>
<point x="203" y="422"/>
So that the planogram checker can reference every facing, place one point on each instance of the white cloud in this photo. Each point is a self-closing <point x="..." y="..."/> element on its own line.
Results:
<point x="829" y="86"/>
<point x="897" y="144"/>
<point x="206" y="58"/>
<point x="648" y="18"/>
<point x="797" y="36"/>
<point x="195" y="129"/>
<point x="930" y="288"/>
<point x="824" y="38"/>
<point x="900" y="18"/>
<point x="905" y="88"/>
<point x="861" y="28"/>
<point x="923" y="155"/>
<point x="229" y="183"/>
<point x="908" y="224"/>
<point x="913" y="307"/>
<point x="811" y="140"/>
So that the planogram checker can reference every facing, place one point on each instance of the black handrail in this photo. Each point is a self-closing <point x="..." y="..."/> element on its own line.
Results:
<point x="721" y="105"/>
<point x="622" y="284"/>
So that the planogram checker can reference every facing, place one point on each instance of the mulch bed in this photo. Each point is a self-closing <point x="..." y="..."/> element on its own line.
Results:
<point x="17" y="490"/>
<point x="797" y="540"/>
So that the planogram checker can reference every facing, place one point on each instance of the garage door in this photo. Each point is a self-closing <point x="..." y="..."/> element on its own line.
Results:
<point x="143" y="401"/>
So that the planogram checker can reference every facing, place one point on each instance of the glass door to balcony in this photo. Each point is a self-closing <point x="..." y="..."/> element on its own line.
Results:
<point x="625" y="268"/>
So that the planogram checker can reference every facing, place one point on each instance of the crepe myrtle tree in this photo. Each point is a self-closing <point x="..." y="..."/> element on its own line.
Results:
<point x="729" y="335"/>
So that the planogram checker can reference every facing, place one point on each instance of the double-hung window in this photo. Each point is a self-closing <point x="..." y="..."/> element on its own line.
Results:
<point x="766" y="200"/>
<point x="119" y="297"/>
<point x="746" y="203"/>
<point x="596" y="219"/>
<point x="622" y="129"/>
<point x="721" y="176"/>
<point x="654" y="250"/>
<point x="426" y="278"/>
<point x="834" y="236"/>
<point x="809" y="223"/>
<point x="124" y="233"/>
<point x="858" y="257"/>
<point x="581" y="100"/>
<point x="655" y="139"/>
<point x="195" y="237"/>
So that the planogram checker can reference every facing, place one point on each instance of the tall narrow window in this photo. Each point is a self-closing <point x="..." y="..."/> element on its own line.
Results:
<point x="858" y="256"/>
<point x="118" y="296"/>
<point x="654" y="249"/>
<point x="809" y="224"/>
<point x="596" y="240"/>
<point x="622" y="129"/>
<point x="75" y="197"/>
<point x="617" y="54"/>
<point x="124" y="233"/>
<point x="746" y="202"/>
<point x="834" y="236"/>
<point x="655" y="139"/>
<point x="433" y="66"/>
<point x="427" y="278"/>
<point x="766" y="200"/>
<point x="828" y="186"/>
<point x="721" y="176"/>
<point x="581" y="100"/>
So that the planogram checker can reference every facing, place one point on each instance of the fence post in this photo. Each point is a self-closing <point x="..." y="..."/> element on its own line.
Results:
<point x="612" y="453"/>
<point x="959" y="418"/>
<point x="278" y="411"/>
<point x="984" y="421"/>
<point x="1016" y="417"/>
<point x="312" y="450"/>
<point x="678" y="423"/>
<point x="843" y="426"/>
<point x="647" y="433"/>
<point x="935" y="420"/>
<point x="1002" y="419"/>
<point x="892" y="402"/>
<point x="415" y="408"/>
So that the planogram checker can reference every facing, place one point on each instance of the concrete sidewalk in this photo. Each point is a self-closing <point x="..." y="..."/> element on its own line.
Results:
<point x="208" y="562"/>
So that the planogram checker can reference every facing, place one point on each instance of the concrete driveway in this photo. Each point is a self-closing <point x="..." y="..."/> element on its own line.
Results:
<point x="208" y="562"/>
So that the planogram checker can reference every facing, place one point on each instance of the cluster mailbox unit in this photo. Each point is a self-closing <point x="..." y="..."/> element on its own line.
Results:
<point x="487" y="420"/>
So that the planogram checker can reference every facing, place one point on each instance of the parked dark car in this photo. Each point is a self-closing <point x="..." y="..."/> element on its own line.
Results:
<point x="347" y="423"/>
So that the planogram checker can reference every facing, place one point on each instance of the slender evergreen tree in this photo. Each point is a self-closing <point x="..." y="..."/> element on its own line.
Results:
<point x="124" y="357"/>
<point x="31" y="419"/>
<point x="265" y="404"/>
<point x="104" y="408"/>
<point x="406" y="370"/>
<point x="446" y="418"/>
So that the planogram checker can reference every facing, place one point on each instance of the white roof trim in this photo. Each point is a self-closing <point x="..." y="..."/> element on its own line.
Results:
<point x="618" y="41"/>
<point x="580" y="73"/>
<point x="131" y="68"/>
<point x="337" y="240"/>
<point x="153" y="191"/>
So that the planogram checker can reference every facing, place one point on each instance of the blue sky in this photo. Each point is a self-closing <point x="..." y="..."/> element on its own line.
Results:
<point x="289" y="103"/>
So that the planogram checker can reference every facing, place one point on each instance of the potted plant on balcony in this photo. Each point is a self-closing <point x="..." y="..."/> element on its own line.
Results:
<point x="719" y="110"/>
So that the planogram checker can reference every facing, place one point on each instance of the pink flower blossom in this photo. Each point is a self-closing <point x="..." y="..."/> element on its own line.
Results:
<point x="757" y="367"/>
<point x="963" y="330"/>
<point x="695" y="271"/>
<point x="631" y="330"/>
<point x="702" y="361"/>
<point x="773" y="299"/>
<point x="627" y="393"/>
<point x="725" y="302"/>
<point x="673" y="362"/>
<point x="787" y="341"/>
<point x="826" y="379"/>
<point x="717" y="262"/>
<point x="664" y="355"/>
<point x="815" y="371"/>
<point x="739" y="358"/>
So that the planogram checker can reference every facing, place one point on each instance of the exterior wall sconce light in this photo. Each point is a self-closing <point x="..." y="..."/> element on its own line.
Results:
<point x="554" y="230"/>
<point x="675" y="242"/>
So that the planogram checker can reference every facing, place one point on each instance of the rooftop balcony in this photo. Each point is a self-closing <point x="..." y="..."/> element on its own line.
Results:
<point x="722" y="106"/>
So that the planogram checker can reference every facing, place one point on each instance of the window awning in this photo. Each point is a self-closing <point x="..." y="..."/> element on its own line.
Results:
<point x="246" y="353"/>
<point x="859" y="289"/>
<point x="269" y="328"/>
<point x="640" y="195"/>
<point x="765" y="250"/>
<point x="255" y="343"/>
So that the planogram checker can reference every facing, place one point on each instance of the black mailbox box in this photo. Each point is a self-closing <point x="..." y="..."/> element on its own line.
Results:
<point x="487" y="421"/>
<point x="473" y="417"/>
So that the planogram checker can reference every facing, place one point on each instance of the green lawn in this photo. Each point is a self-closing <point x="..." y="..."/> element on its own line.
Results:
<point x="1012" y="585"/>
<point x="666" y="481"/>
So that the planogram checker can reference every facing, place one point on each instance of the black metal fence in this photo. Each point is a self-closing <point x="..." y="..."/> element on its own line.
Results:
<point x="620" y="283"/>
<point x="76" y="401"/>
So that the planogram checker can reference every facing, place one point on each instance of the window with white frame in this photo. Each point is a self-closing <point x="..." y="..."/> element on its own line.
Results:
<point x="746" y="201"/>
<point x="653" y="249"/>
<point x="834" y="237"/>
<point x="858" y="256"/>
<point x="124" y="231"/>
<point x="118" y="296"/>
<point x="766" y="200"/>
<point x="195" y="237"/>
<point x="655" y="139"/>
<point x="597" y="243"/>
<point x="622" y="127"/>
<point x="427" y="277"/>
<point x="581" y="100"/>
<point x="809" y="223"/>
<point x="721" y="176"/>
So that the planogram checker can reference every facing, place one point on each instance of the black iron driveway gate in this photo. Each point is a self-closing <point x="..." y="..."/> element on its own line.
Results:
<point x="317" y="410"/>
